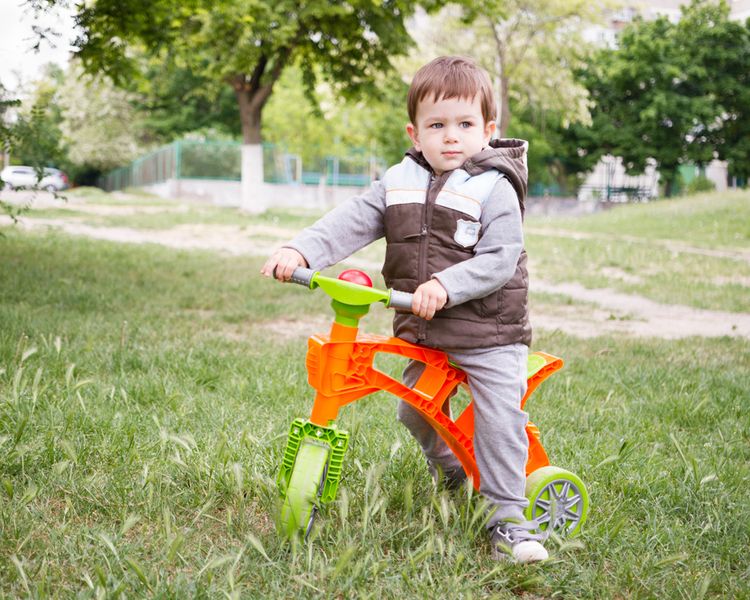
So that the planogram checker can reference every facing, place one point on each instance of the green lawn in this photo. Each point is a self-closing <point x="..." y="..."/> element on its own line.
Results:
<point x="628" y="249"/>
<point x="714" y="220"/>
<point x="145" y="396"/>
<point x="693" y="251"/>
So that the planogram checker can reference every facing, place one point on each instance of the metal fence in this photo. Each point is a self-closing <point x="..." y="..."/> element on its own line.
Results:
<point x="189" y="159"/>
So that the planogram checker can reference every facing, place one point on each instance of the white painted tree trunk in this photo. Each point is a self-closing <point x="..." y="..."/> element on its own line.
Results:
<point x="254" y="194"/>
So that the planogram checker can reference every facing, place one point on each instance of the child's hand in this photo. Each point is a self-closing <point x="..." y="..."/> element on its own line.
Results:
<point x="284" y="260"/>
<point x="429" y="298"/>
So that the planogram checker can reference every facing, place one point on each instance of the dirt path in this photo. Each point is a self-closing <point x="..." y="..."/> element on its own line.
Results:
<point x="637" y="315"/>
<point x="600" y="311"/>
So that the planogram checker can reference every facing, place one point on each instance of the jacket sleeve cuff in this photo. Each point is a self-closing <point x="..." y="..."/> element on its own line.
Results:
<point x="450" y="287"/>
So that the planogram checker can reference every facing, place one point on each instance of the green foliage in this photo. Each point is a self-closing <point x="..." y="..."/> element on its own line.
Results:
<point x="553" y="160"/>
<point x="672" y="92"/>
<point x="700" y="184"/>
<point x="530" y="47"/>
<point x="719" y="51"/>
<point x="100" y="124"/>
<point x="34" y="137"/>
<point x="37" y="139"/>
<point x="172" y="99"/>
<point x="6" y="129"/>
<point x="248" y="44"/>
<point x="323" y="124"/>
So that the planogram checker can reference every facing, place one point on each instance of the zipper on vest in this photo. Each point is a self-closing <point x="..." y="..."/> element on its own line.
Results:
<point x="422" y="266"/>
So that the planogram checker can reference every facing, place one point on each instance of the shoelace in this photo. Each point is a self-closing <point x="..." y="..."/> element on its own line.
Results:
<point x="520" y="532"/>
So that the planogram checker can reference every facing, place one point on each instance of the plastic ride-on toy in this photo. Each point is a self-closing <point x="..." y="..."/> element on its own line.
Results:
<point x="340" y="369"/>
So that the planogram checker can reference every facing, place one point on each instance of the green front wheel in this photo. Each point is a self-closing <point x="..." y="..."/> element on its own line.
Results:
<point x="304" y="489"/>
<point x="558" y="500"/>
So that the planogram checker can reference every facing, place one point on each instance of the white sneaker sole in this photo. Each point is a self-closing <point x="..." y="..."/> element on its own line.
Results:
<point x="529" y="552"/>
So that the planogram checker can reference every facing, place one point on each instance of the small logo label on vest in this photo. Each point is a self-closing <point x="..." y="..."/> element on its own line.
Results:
<point x="467" y="233"/>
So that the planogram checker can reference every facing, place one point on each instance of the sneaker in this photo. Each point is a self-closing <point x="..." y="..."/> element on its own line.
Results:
<point x="451" y="478"/>
<point x="518" y="542"/>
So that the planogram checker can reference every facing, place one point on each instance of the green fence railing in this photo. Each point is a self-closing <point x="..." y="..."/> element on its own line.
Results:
<point x="222" y="160"/>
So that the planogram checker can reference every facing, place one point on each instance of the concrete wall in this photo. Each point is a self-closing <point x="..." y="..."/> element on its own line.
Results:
<point x="229" y="193"/>
<point x="610" y="171"/>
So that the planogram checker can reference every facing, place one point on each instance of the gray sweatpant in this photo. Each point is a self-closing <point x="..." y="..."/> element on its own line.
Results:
<point x="497" y="380"/>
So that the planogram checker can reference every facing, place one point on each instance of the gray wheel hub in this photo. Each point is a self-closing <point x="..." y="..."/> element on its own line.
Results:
<point x="559" y="505"/>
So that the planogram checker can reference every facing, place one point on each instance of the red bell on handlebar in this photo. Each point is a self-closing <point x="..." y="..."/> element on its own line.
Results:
<point x="356" y="276"/>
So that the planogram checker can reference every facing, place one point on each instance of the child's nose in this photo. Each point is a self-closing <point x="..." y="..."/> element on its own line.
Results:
<point x="450" y="134"/>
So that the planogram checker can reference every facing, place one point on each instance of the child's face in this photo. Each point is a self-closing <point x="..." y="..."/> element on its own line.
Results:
<point x="449" y="131"/>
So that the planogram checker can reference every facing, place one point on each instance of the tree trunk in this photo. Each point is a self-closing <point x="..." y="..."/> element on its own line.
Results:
<point x="251" y="108"/>
<point x="501" y="68"/>
<point x="504" y="115"/>
<point x="670" y="179"/>
<point x="253" y="195"/>
<point x="252" y="96"/>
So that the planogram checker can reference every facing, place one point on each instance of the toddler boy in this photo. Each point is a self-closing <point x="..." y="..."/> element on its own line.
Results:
<point x="451" y="214"/>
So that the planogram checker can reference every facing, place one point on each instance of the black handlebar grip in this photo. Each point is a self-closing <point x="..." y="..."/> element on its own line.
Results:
<point x="302" y="276"/>
<point x="400" y="300"/>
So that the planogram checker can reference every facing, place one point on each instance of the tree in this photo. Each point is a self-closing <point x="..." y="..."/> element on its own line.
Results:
<point x="100" y="124"/>
<point x="172" y="100"/>
<point x="31" y="134"/>
<point x="246" y="44"/>
<point x="36" y="138"/>
<point x="531" y="47"/>
<point x="6" y="139"/>
<point x="324" y="123"/>
<point x="673" y="93"/>
<point x="719" y="54"/>
<point x="6" y="131"/>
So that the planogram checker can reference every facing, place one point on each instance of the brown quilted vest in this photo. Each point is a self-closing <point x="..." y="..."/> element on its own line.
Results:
<point x="420" y="242"/>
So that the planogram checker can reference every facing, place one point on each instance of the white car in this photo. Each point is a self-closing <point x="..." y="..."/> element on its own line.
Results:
<point x="53" y="180"/>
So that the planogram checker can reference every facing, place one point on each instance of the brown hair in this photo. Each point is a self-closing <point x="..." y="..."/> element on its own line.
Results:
<point x="451" y="77"/>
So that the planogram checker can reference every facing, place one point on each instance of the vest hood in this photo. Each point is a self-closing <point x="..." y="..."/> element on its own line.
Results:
<point x="508" y="156"/>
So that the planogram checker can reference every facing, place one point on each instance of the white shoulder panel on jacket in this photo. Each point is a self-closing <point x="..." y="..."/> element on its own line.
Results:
<point x="405" y="183"/>
<point x="467" y="194"/>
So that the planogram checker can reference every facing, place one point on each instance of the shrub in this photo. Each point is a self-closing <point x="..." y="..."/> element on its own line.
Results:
<point x="700" y="184"/>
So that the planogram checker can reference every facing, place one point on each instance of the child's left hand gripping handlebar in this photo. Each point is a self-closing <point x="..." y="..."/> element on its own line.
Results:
<point x="391" y="298"/>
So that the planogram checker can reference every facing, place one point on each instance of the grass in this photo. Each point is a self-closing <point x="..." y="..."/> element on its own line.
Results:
<point x="714" y="220"/>
<point x="628" y="249"/>
<point x="657" y="273"/>
<point x="691" y="251"/>
<point x="145" y="396"/>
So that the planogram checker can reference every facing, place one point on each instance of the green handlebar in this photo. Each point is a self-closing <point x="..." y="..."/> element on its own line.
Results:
<point x="348" y="293"/>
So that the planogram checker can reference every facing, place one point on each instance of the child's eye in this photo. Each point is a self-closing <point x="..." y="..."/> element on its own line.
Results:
<point x="436" y="126"/>
<point x="465" y="124"/>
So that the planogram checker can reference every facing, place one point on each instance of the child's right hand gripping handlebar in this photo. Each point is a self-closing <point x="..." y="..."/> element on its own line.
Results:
<point x="391" y="298"/>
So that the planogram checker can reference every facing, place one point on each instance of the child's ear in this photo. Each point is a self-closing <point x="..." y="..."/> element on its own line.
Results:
<point x="489" y="130"/>
<point x="413" y="136"/>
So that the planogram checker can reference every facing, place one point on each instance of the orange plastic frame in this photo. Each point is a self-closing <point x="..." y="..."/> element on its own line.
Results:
<point x="340" y="369"/>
